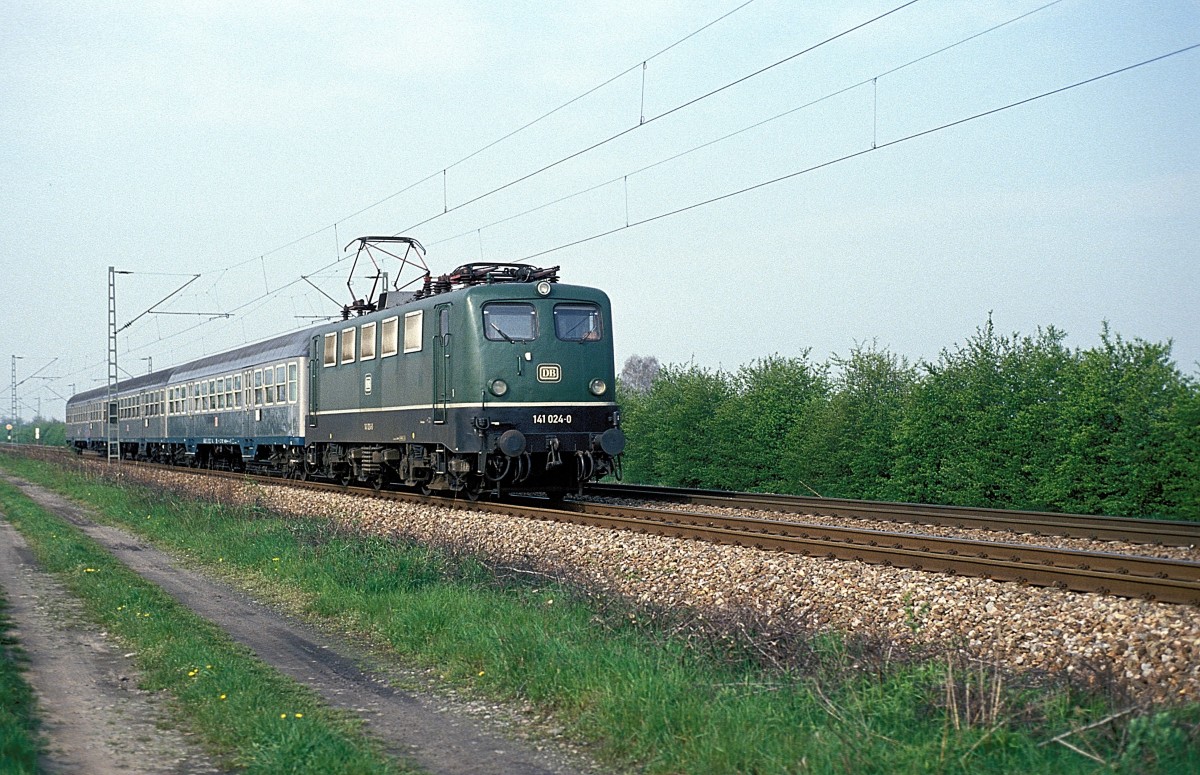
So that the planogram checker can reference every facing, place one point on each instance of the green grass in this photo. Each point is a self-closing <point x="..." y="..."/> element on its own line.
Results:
<point x="20" y="742"/>
<point x="640" y="697"/>
<point x="249" y="714"/>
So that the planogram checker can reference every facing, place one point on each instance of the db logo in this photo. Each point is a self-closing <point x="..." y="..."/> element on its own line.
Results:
<point x="549" y="372"/>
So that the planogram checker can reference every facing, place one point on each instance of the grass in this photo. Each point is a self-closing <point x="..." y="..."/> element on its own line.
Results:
<point x="20" y="741"/>
<point x="249" y="714"/>
<point x="640" y="697"/>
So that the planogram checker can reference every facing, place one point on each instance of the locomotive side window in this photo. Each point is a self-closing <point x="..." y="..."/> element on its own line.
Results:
<point x="331" y="349"/>
<point x="348" y="345"/>
<point x="578" y="322"/>
<point x="412" y="331"/>
<point x="388" y="335"/>
<point x="368" y="342"/>
<point x="508" y="321"/>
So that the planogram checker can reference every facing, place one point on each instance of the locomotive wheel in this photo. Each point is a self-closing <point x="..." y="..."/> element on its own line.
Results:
<point x="474" y="488"/>
<point x="425" y="489"/>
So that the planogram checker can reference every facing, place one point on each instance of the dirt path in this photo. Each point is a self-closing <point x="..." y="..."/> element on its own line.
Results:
<point x="431" y="733"/>
<point x="95" y="717"/>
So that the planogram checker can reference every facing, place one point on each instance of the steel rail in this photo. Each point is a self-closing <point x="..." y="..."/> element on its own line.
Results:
<point x="1100" y="528"/>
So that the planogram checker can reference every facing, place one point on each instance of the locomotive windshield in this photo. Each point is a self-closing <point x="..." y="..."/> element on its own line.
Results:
<point x="510" y="322"/>
<point x="577" y="322"/>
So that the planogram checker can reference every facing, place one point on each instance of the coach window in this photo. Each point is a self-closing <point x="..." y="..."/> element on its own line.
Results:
<point x="368" y="342"/>
<point x="331" y="349"/>
<point x="348" y="345"/>
<point x="280" y="384"/>
<point x="221" y="393"/>
<point x="258" y="390"/>
<point x="293" y="382"/>
<point x="269" y="385"/>
<point x="412" y="331"/>
<point x="237" y="391"/>
<point x="204" y="396"/>
<point x="510" y="322"/>
<point x="578" y="322"/>
<point x="388" y="332"/>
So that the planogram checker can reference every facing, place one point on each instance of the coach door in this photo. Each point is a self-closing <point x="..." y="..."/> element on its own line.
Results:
<point x="441" y="363"/>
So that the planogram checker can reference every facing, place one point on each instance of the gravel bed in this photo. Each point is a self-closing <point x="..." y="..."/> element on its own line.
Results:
<point x="1189" y="553"/>
<point x="1151" y="649"/>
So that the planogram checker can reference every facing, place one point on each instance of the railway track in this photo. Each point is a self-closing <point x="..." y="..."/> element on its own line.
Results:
<point x="1097" y="528"/>
<point x="1123" y="575"/>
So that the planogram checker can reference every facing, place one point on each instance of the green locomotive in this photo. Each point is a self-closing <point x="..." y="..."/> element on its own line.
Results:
<point x="494" y="377"/>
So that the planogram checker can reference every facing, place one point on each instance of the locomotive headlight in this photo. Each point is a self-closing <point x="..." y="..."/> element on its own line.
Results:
<point x="597" y="387"/>
<point x="543" y="288"/>
<point x="498" y="387"/>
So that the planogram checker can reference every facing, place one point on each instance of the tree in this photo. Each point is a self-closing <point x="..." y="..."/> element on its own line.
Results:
<point x="852" y="449"/>
<point x="772" y="399"/>
<point x="1129" y="448"/>
<point x="984" y="423"/>
<point x="639" y="373"/>
<point x="672" y="434"/>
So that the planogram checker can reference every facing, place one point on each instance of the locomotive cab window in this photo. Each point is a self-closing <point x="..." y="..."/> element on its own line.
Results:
<point x="578" y="322"/>
<point x="509" y="321"/>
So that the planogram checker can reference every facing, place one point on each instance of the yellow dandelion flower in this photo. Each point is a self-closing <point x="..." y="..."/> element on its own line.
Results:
<point x="481" y="672"/>
<point x="282" y="715"/>
<point x="208" y="667"/>
<point x="222" y="697"/>
<point x="299" y="715"/>
<point x="274" y="559"/>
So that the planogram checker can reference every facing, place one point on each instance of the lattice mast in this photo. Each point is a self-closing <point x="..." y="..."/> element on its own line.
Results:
<point x="112" y="420"/>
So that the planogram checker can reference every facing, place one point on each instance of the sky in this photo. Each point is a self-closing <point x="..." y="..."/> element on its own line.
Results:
<point x="743" y="179"/>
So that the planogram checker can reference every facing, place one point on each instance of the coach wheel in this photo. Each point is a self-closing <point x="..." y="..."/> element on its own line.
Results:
<point x="379" y="481"/>
<point x="425" y="489"/>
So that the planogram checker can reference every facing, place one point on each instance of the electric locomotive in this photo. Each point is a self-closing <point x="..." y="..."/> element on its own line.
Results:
<point x="496" y="377"/>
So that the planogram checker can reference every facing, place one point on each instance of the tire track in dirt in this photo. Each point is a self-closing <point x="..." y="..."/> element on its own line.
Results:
<point x="428" y="733"/>
<point x="95" y="718"/>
